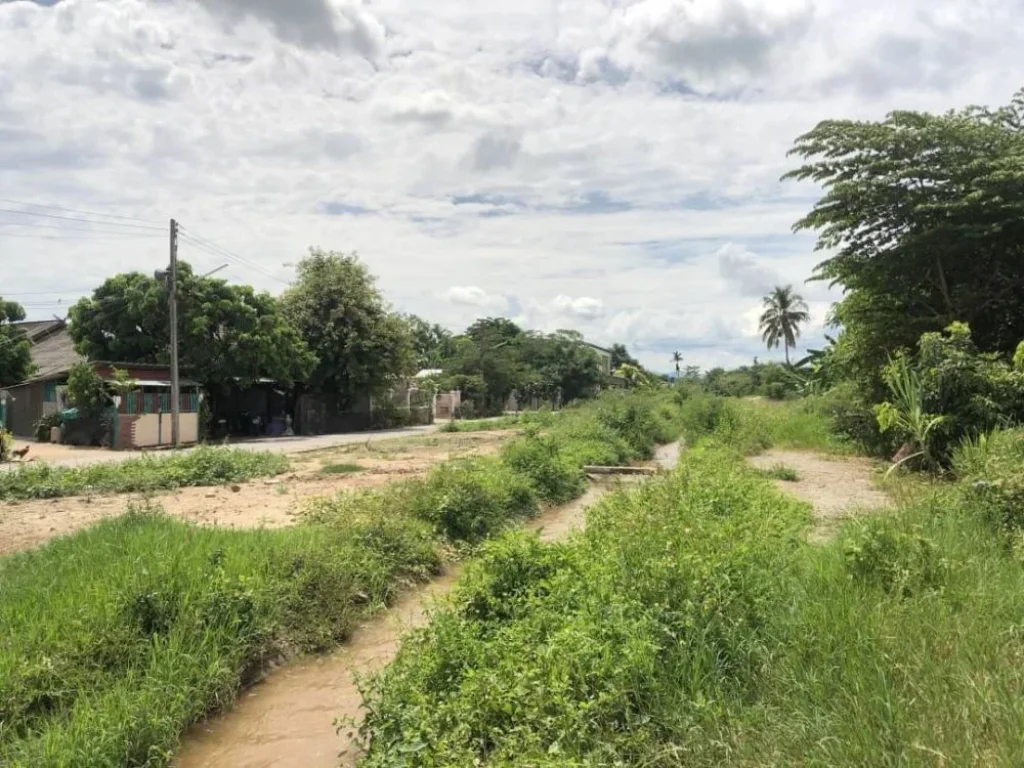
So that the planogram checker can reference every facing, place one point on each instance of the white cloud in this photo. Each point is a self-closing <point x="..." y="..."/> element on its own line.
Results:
<point x="473" y="296"/>
<point x="612" y="167"/>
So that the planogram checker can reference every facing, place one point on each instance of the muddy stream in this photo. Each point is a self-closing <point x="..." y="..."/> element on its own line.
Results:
<point x="288" y="718"/>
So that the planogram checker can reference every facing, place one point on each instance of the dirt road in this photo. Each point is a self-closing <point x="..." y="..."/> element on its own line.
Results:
<point x="270" y="502"/>
<point x="836" y="486"/>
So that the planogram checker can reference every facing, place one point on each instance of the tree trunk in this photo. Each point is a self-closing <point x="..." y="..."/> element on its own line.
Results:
<point x="786" y="347"/>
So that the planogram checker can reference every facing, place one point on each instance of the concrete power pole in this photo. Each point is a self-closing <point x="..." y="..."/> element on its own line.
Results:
<point x="173" y="299"/>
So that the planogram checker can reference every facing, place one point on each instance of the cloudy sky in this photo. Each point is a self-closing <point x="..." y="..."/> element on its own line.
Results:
<point x="606" y="165"/>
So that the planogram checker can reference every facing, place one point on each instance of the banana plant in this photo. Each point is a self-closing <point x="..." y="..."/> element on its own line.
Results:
<point x="906" y="413"/>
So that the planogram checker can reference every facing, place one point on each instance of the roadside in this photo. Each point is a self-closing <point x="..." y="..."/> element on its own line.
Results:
<point x="80" y="456"/>
<point x="267" y="502"/>
<point x="838" y="487"/>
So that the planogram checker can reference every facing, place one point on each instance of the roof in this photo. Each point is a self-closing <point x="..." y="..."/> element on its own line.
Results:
<point x="54" y="354"/>
<point x="599" y="349"/>
<point x="37" y="329"/>
<point x="160" y="383"/>
<point x="428" y="372"/>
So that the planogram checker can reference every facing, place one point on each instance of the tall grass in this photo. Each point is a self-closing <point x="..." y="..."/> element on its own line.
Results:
<point x="116" y="639"/>
<point x="691" y="625"/>
<point x="113" y="640"/>
<point x="198" y="467"/>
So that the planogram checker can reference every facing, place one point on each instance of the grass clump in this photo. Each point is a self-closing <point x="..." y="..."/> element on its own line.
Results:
<point x="114" y="640"/>
<point x="346" y="468"/>
<point x="199" y="467"/>
<point x="782" y="472"/>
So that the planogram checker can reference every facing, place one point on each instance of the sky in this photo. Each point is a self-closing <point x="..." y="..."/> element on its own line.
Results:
<point x="606" y="165"/>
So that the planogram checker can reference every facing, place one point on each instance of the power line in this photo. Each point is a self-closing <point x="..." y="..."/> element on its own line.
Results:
<point x="219" y="250"/>
<point x="49" y="293"/>
<point x="74" y="210"/>
<point x="79" y="219"/>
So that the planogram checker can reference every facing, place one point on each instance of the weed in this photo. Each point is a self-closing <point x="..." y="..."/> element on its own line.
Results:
<point x="782" y="472"/>
<point x="200" y="467"/>
<point x="340" y="469"/>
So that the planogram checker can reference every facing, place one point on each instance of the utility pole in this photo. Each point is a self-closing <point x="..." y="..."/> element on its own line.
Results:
<point x="172" y="294"/>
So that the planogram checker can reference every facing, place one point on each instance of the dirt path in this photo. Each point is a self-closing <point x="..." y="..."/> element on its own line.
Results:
<point x="287" y="720"/>
<point x="837" y="487"/>
<point x="269" y="502"/>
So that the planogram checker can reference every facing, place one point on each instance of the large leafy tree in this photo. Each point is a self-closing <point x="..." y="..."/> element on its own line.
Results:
<point x="362" y="346"/>
<point x="923" y="216"/>
<point x="564" y="365"/>
<point x="15" y="356"/>
<point x="784" y="312"/>
<point x="227" y="334"/>
<point x="432" y="343"/>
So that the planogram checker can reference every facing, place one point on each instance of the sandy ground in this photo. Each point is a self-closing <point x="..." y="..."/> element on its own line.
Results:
<point x="837" y="487"/>
<point x="270" y="502"/>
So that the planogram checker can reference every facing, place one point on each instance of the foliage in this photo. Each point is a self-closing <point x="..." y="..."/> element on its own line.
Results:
<point x="227" y="334"/>
<point x="540" y="459"/>
<point x="360" y="344"/>
<point x="906" y="413"/>
<point x="41" y="429"/>
<point x="779" y="471"/>
<point x="6" y="445"/>
<point x="198" y="467"/>
<point x="924" y="217"/>
<point x="431" y="343"/>
<point x="15" y="355"/>
<point x="117" y="638"/>
<point x="633" y="375"/>
<point x="969" y="392"/>
<point x="123" y="383"/>
<point x="495" y="358"/>
<point x="689" y="625"/>
<point x="86" y="390"/>
<point x="784" y="311"/>
<point x="760" y="379"/>
<point x="991" y="469"/>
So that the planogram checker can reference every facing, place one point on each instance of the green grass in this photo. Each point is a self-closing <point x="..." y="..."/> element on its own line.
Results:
<point x="340" y="469"/>
<point x="781" y="472"/>
<point x="508" y="421"/>
<point x="691" y="624"/>
<point x="114" y="640"/>
<point x="199" y="467"/>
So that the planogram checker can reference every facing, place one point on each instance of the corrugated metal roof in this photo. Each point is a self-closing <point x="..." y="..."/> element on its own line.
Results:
<point x="35" y="329"/>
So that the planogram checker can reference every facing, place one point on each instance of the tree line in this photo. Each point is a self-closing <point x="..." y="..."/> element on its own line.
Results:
<point x="331" y="332"/>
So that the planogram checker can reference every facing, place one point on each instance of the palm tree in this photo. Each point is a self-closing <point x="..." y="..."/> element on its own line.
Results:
<point x="677" y="358"/>
<point x="784" y="311"/>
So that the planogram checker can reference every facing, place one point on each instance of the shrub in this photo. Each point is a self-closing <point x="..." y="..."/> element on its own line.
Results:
<point x="467" y="500"/>
<point x="556" y="477"/>
<point x="882" y="553"/>
<point x="991" y="470"/>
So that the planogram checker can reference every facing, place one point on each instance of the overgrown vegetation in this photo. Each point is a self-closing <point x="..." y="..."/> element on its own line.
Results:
<point x="115" y="639"/>
<point x="690" y="624"/>
<point x="199" y="467"/>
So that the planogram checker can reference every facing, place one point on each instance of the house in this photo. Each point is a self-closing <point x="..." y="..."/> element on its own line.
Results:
<point x="140" y="420"/>
<point x="605" y="356"/>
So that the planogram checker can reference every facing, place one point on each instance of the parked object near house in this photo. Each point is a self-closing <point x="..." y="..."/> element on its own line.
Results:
<point x="142" y="419"/>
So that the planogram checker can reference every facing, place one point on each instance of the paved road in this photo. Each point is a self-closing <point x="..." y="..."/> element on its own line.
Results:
<point x="269" y="444"/>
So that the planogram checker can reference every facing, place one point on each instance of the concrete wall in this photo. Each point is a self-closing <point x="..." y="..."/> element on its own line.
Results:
<point x="149" y="430"/>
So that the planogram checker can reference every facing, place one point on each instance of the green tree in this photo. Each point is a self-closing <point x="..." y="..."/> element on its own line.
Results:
<point x="677" y="358"/>
<point x="225" y="332"/>
<point x="15" y="351"/>
<point x="923" y="216"/>
<point x="361" y="345"/>
<point x="565" y="365"/>
<point x="86" y="391"/>
<point x="784" y="311"/>
<point x="432" y="343"/>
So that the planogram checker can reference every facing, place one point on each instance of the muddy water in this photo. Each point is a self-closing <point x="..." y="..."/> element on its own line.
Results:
<point x="287" y="720"/>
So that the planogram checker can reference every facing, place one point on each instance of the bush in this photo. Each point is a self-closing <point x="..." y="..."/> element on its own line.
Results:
<point x="467" y="500"/>
<point x="991" y="470"/>
<point x="41" y="429"/>
<point x="198" y="467"/>
<point x="555" y="476"/>
<point x="881" y="553"/>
